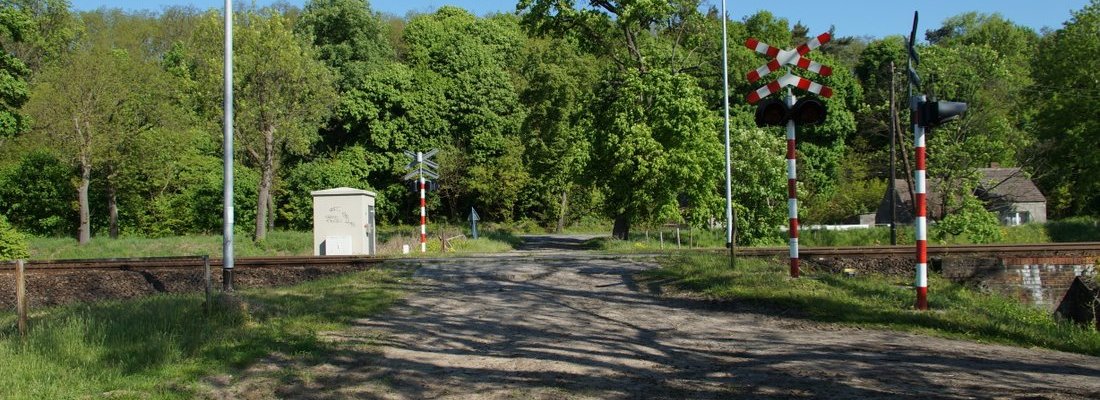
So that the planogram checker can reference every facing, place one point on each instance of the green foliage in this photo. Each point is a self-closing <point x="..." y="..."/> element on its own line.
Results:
<point x="758" y="175"/>
<point x="346" y="169"/>
<point x="13" y="245"/>
<point x="38" y="196"/>
<point x="482" y="152"/>
<point x="857" y="193"/>
<point x="971" y="221"/>
<point x="1067" y="126"/>
<point x="14" y="26"/>
<point x="1077" y="229"/>
<point x="881" y="302"/>
<point x="131" y="348"/>
<point x="282" y="93"/>
<point x="558" y="146"/>
<point x="654" y="148"/>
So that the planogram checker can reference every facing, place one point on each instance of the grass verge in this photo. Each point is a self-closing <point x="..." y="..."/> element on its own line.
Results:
<point x="278" y="243"/>
<point x="877" y="302"/>
<point x="161" y="346"/>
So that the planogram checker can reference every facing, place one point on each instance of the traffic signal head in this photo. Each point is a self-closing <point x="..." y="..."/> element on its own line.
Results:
<point x="774" y="112"/>
<point x="808" y="111"/>
<point x="771" y="112"/>
<point x="934" y="113"/>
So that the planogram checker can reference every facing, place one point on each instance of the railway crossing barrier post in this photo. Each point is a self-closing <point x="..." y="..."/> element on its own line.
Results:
<point x="420" y="167"/>
<point x="21" y="296"/>
<point x="925" y="115"/>
<point x="790" y="113"/>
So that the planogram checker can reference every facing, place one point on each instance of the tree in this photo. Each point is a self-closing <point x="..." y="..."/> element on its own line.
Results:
<point x="14" y="25"/>
<point x="654" y="141"/>
<point x="87" y="104"/>
<point x="282" y="93"/>
<point x="1067" y="124"/>
<point x="469" y="59"/>
<point x="654" y="148"/>
<point x="558" y="144"/>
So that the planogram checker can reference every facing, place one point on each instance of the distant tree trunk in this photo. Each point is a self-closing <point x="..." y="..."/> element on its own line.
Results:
<point x="84" y="232"/>
<point x="271" y="211"/>
<point x="84" y="235"/>
<point x="621" y="230"/>
<point x="112" y="206"/>
<point x="564" y="209"/>
<point x="267" y="178"/>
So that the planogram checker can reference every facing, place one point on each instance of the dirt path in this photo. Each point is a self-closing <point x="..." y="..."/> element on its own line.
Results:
<point x="560" y="326"/>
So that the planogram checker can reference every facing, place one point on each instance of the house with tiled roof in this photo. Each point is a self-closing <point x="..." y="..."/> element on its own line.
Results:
<point x="1008" y="192"/>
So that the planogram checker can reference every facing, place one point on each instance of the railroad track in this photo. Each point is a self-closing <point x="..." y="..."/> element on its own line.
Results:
<point x="888" y="251"/>
<point x="191" y="262"/>
<point x="1087" y="248"/>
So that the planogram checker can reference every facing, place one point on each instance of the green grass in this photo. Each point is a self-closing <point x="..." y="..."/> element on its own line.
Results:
<point x="278" y="243"/>
<point x="160" y="346"/>
<point x="1070" y="230"/>
<point x="877" y="302"/>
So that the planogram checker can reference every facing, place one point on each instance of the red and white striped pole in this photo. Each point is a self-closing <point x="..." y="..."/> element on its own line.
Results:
<point x="423" y="206"/>
<point x="921" y="224"/>
<point x="792" y="189"/>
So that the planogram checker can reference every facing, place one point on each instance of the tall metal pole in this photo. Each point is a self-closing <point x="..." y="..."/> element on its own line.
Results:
<point x="893" y="168"/>
<point x="227" y="133"/>
<point x="792" y="189"/>
<point x="726" y="103"/>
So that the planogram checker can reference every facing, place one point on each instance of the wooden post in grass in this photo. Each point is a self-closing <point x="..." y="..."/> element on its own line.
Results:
<point x="21" y="296"/>
<point x="209" y="286"/>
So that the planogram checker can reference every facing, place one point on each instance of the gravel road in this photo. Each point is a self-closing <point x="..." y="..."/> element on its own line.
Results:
<point x="549" y="323"/>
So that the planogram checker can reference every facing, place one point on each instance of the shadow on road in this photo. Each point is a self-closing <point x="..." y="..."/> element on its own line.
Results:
<point x="554" y="242"/>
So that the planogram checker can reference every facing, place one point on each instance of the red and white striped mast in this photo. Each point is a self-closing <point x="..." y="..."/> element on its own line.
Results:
<point x="423" y="204"/>
<point x="921" y="223"/>
<point x="792" y="189"/>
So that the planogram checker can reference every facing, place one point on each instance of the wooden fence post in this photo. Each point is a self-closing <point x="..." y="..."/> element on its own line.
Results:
<point x="21" y="296"/>
<point x="206" y="280"/>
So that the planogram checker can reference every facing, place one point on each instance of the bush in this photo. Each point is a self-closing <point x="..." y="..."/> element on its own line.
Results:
<point x="972" y="222"/>
<point x="13" y="245"/>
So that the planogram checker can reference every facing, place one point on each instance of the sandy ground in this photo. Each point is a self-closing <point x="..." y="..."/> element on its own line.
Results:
<point x="546" y="324"/>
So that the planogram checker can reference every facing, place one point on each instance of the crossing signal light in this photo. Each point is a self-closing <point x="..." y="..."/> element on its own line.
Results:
<point x="774" y="112"/>
<point x="808" y="111"/>
<point x="934" y="113"/>
<point x="771" y="112"/>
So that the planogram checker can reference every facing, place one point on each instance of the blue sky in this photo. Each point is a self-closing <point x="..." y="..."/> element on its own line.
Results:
<point x="852" y="18"/>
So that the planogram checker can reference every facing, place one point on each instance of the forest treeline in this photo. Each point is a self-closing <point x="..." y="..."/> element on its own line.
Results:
<point x="561" y="112"/>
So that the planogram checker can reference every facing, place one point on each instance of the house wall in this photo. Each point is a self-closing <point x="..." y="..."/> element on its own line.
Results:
<point x="1038" y="211"/>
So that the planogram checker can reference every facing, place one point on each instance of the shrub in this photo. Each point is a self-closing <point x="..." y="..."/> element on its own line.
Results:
<point x="13" y="245"/>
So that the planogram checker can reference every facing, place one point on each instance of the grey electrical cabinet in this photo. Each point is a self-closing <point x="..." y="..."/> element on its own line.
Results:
<point x="344" y="222"/>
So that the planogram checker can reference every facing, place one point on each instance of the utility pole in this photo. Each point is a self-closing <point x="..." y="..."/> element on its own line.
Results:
<point x="227" y="134"/>
<point x="893" y="156"/>
<point x="726" y="103"/>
